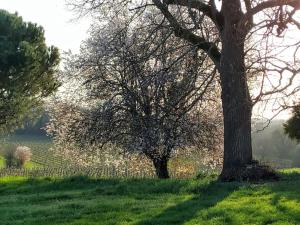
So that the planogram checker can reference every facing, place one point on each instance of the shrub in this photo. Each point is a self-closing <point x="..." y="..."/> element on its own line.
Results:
<point x="22" y="155"/>
<point x="9" y="156"/>
<point x="17" y="156"/>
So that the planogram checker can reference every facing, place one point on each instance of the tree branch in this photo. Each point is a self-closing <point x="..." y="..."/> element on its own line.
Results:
<point x="271" y="4"/>
<point x="194" y="4"/>
<point x="209" y="47"/>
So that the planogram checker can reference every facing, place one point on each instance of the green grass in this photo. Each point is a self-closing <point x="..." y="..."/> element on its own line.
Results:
<point x="2" y="162"/>
<point x="85" y="201"/>
<point x="28" y="165"/>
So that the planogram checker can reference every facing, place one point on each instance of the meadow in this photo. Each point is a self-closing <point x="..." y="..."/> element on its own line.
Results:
<point x="41" y="194"/>
<point x="86" y="201"/>
<point x="40" y="145"/>
<point x="44" y="162"/>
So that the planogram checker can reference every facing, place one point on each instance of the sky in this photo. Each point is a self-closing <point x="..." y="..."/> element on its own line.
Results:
<point x="62" y="29"/>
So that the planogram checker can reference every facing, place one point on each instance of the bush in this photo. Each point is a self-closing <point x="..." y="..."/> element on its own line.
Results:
<point x="17" y="156"/>
<point x="22" y="155"/>
<point x="9" y="156"/>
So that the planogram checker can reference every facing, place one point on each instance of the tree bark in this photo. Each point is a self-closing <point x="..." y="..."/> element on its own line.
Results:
<point x="236" y="101"/>
<point x="161" y="168"/>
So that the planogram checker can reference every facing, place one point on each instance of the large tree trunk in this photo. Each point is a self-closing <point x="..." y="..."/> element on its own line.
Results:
<point x="236" y="101"/>
<point x="161" y="168"/>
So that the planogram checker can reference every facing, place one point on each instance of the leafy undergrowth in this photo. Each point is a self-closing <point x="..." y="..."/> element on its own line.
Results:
<point x="85" y="201"/>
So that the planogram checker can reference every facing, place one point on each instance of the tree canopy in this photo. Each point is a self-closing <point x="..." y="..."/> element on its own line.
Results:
<point x="152" y="104"/>
<point x="222" y="30"/>
<point x="292" y="126"/>
<point x="27" y="69"/>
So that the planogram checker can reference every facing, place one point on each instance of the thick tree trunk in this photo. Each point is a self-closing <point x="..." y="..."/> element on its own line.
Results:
<point x="161" y="168"/>
<point x="236" y="101"/>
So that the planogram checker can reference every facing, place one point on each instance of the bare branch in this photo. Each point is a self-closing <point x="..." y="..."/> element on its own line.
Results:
<point x="210" y="48"/>
<point x="195" y="4"/>
<point x="271" y="4"/>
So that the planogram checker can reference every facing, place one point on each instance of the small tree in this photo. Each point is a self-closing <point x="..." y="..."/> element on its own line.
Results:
<point x="9" y="156"/>
<point x="292" y="126"/>
<point x="141" y="102"/>
<point x="17" y="156"/>
<point x="27" y="68"/>
<point x="22" y="155"/>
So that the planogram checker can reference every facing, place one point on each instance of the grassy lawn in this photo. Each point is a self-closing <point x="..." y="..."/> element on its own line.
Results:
<point x="85" y="201"/>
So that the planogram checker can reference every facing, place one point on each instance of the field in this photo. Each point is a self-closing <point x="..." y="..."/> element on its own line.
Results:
<point x="28" y="165"/>
<point x="86" y="201"/>
<point x="40" y="147"/>
<point x="83" y="200"/>
<point x="44" y="161"/>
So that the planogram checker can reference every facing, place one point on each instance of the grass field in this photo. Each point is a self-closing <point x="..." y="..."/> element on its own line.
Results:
<point x="40" y="147"/>
<point x="28" y="165"/>
<point x="85" y="201"/>
<point x="43" y="157"/>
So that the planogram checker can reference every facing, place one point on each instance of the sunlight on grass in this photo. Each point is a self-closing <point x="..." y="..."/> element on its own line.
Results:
<point x="28" y="165"/>
<point x="81" y="200"/>
<point x="2" y="162"/>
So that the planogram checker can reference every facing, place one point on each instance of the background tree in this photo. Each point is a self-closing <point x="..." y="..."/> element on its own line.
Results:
<point x="292" y="126"/>
<point x="271" y="145"/>
<point x="27" y="69"/>
<point x="147" y="103"/>
<point x="34" y="127"/>
<point x="233" y="23"/>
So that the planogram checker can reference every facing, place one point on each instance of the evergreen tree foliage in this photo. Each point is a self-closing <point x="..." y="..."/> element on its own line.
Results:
<point x="27" y="69"/>
<point x="292" y="126"/>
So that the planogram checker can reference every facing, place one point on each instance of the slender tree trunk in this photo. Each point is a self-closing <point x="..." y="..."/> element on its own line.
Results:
<point x="161" y="168"/>
<point x="236" y="101"/>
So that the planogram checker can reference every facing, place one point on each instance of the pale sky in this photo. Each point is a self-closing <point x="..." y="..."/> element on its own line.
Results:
<point x="61" y="28"/>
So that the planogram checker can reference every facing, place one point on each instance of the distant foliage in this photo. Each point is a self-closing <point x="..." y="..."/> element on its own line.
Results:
<point x="292" y="126"/>
<point x="274" y="147"/>
<point x="34" y="127"/>
<point x="27" y="70"/>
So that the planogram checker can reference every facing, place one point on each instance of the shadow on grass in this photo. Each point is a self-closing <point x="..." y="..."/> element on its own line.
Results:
<point x="291" y="176"/>
<point x="97" y="186"/>
<point x="286" y="200"/>
<point x="286" y="197"/>
<point x="66" y="201"/>
<point x="205" y="197"/>
<point x="77" y="200"/>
